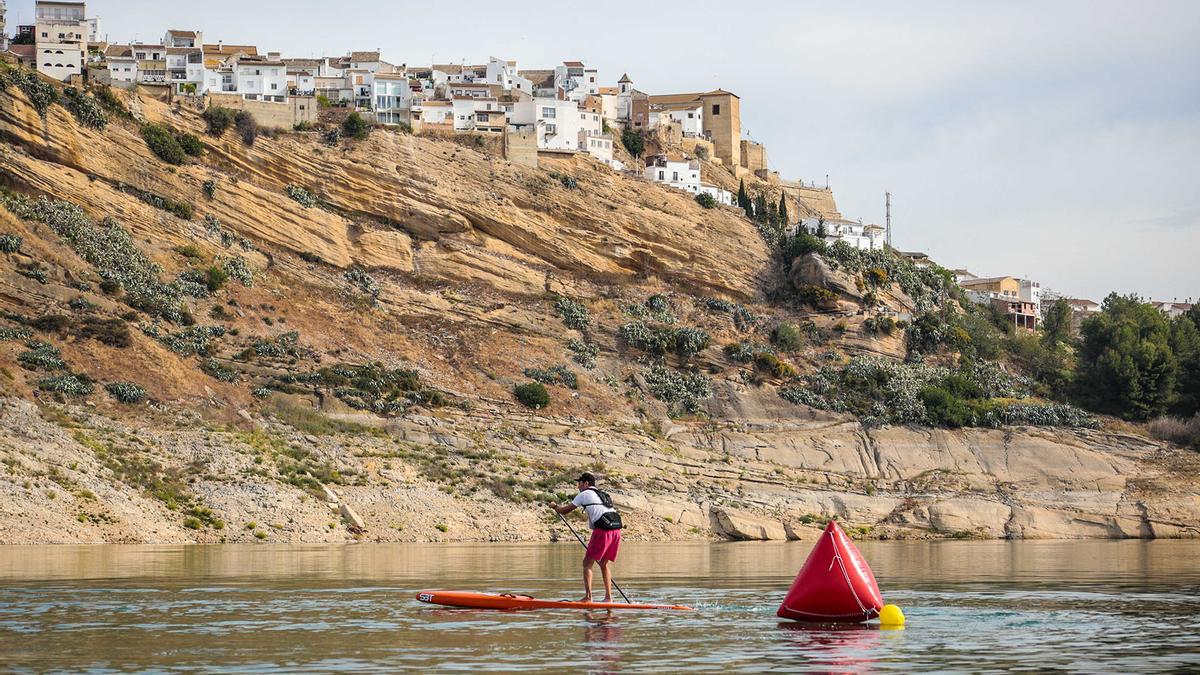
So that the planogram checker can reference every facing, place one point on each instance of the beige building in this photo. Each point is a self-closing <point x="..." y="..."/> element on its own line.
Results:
<point x="722" y="118"/>
<point x="754" y="158"/>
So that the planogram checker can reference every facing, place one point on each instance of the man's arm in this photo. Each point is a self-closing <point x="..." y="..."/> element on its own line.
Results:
<point x="563" y="508"/>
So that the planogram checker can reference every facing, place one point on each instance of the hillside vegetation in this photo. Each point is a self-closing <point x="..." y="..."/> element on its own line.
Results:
<point x="207" y="343"/>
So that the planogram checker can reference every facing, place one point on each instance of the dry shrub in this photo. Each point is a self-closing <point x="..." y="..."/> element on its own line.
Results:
<point x="1177" y="430"/>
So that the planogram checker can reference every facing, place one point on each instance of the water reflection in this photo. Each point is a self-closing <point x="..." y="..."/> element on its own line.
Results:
<point x="1091" y="606"/>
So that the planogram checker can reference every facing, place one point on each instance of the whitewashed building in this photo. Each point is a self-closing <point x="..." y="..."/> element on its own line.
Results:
<point x="557" y="121"/>
<point x="440" y="113"/>
<point x="677" y="172"/>
<point x="723" y="197"/>
<point x="391" y="98"/>
<point x="576" y="80"/>
<point x="854" y="233"/>
<point x="122" y="67"/>
<point x="467" y="110"/>
<point x="151" y="63"/>
<point x="261" y="79"/>
<point x="1031" y="291"/>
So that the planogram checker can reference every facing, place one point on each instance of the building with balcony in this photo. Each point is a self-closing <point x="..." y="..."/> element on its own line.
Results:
<point x="853" y="232"/>
<point x="61" y="35"/>
<point x="556" y="122"/>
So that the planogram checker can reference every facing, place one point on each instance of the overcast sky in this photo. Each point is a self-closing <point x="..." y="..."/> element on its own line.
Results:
<point x="1055" y="141"/>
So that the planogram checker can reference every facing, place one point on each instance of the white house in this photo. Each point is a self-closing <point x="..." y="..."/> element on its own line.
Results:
<point x="576" y="80"/>
<point x="368" y="61"/>
<point x="722" y="196"/>
<point x="183" y="38"/>
<point x="854" y="233"/>
<point x="1173" y="308"/>
<point x="152" y="63"/>
<point x="185" y="69"/>
<point x="60" y="38"/>
<point x="434" y="112"/>
<point x="467" y="108"/>
<point x="600" y="147"/>
<point x="689" y="115"/>
<point x="391" y="97"/>
<point x="260" y="78"/>
<point x="122" y="67"/>
<point x="1031" y="291"/>
<point x="471" y="90"/>
<point x="677" y="172"/>
<point x="557" y="121"/>
<point x="360" y="81"/>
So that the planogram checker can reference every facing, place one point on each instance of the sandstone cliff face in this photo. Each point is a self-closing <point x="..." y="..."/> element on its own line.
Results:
<point x="466" y="250"/>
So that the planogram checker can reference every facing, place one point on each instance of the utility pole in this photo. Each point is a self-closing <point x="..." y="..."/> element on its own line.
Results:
<point x="887" y="202"/>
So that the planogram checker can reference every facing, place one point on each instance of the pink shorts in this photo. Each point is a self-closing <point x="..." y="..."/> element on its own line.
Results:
<point x="604" y="544"/>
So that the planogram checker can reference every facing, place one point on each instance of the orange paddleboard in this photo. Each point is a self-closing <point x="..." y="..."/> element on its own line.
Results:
<point x="517" y="601"/>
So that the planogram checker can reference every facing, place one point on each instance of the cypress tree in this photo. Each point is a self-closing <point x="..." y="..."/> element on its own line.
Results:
<point x="760" y="208"/>
<point x="783" y="214"/>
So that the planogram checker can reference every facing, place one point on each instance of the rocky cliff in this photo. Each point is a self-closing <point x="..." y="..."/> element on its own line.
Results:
<point x="442" y="265"/>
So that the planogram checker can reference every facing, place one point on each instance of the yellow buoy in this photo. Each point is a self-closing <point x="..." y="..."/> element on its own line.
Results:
<point x="891" y="616"/>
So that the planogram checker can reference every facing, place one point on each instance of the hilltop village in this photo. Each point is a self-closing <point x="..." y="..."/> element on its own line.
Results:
<point x="566" y="109"/>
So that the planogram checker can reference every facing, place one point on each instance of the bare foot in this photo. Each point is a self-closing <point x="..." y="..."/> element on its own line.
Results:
<point x="608" y="598"/>
<point x="586" y="598"/>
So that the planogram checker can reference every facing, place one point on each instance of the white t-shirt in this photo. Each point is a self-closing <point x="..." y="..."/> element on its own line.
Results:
<point x="589" y="501"/>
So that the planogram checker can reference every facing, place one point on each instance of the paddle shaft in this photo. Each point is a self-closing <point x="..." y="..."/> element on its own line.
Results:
<point x="581" y="543"/>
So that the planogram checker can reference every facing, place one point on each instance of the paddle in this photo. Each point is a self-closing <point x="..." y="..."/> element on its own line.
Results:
<point x="580" y="540"/>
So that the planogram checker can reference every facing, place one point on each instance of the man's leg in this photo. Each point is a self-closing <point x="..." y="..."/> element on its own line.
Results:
<point x="587" y="579"/>
<point x="607" y="573"/>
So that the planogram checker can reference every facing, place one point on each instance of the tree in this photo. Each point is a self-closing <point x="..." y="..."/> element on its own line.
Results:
<point x="1126" y="365"/>
<point x="633" y="141"/>
<point x="783" y="214"/>
<point x="744" y="200"/>
<point x="1185" y="344"/>
<point x="706" y="200"/>
<point x="1056" y="323"/>
<point x="760" y="208"/>
<point x="821" y="228"/>
<point x="355" y="126"/>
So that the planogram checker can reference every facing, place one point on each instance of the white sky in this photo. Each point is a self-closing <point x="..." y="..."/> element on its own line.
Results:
<point x="1054" y="140"/>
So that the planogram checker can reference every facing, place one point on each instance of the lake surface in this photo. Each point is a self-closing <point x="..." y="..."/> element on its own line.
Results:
<point x="1096" y="606"/>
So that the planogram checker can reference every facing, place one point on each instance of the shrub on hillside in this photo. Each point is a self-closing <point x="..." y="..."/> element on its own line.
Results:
<point x="210" y="188"/>
<point x="817" y="297"/>
<point x="773" y="365"/>
<point x="574" y="314"/>
<point x="218" y="119"/>
<point x="247" y="126"/>
<point x="685" y="392"/>
<point x="556" y="374"/>
<point x="69" y="385"/>
<point x="301" y="195"/>
<point x="191" y="144"/>
<point x="1185" y="432"/>
<point x="41" y="94"/>
<point x="584" y="353"/>
<point x="10" y="243"/>
<point x="634" y="141"/>
<point x="163" y="143"/>
<point x="706" y="200"/>
<point x="126" y="392"/>
<point x="355" y="126"/>
<point x="787" y="336"/>
<point x="532" y="395"/>
<point x="85" y="108"/>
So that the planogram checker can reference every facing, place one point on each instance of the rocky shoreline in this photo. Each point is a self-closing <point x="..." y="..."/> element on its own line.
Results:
<point x="454" y="476"/>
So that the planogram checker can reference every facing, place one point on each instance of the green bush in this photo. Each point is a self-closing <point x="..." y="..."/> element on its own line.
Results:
<point x="210" y="188"/>
<point x="301" y="195"/>
<point x="191" y="144"/>
<point x="10" y="243"/>
<point x="945" y="409"/>
<point x="532" y="395"/>
<point x="70" y="384"/>
<point x="739" y="352"/>
<point x="684" y="391"/>
<point x="584" y="353"/>
<point x="706" y="200"/>
<point x="817" y="297"/>
<point x="215" y="278"/>
<point x="163" y="143"/>
<point x="41" y="94"/>
<point x="802" y="244"/>
<point x="355" y="126"/>
<point x="106" y="98"/>
<point x="557" y="374"/>
<point x="85" y="108"/>
<point x="634" y="141"/>
<point x="332" y="136"/>
<point x="181" y="209"/>
<point x="787" y="336"/>
<point x="876" y="277"/>
<point x="574" y="314"/>
<point x="126" y="392"/>
<point x="41" y="356"/>
<point x="247" y="126"/>
<point x="218" y="119"/>
<point x="773" y="365"/>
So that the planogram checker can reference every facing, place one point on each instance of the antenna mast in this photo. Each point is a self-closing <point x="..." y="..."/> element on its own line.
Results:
<point x="887" y="201"/>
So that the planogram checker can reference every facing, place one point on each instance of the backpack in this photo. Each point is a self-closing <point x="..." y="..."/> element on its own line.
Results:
<point x="610" y="520"/>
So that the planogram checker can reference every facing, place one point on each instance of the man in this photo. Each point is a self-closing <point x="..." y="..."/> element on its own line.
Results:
<point x="605" y="524"/>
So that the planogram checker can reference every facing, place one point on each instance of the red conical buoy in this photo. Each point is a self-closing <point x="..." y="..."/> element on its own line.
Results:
<point x="835" y="584"/>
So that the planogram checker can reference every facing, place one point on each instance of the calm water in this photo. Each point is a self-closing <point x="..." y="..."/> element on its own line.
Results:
<point x="971" y="606"/>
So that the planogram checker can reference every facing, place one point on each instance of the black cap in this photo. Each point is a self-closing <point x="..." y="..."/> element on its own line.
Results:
<point x="587" y="477"/>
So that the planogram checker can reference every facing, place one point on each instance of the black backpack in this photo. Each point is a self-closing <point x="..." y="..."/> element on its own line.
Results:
<point x="610" y="520"/>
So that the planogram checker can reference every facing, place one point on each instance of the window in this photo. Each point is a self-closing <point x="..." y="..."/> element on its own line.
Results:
<point x="716" y="109"/>
<point x="674" y="176"/>
<point x="691" y="115"/>
<point x="548" y="112"/>
<point x="274" y="86"/>
<point x="662" y="175"/>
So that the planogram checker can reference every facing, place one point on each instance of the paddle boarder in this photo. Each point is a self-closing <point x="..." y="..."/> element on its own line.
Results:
<point x="605" y="524"/>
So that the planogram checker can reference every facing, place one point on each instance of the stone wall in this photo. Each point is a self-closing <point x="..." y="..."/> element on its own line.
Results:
<point x="520" y="146"/>
<point x="754" y="157"/>
<point x="724" y="127"/>
<point x="268" y="114"/>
